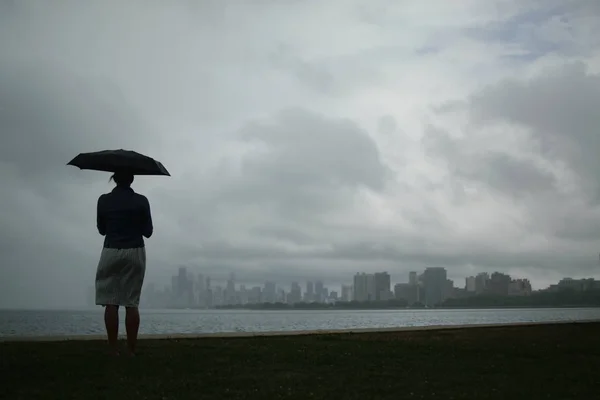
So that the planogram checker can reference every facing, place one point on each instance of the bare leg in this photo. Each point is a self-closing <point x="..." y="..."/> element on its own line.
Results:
<point x="111" y="321"/>
<point x="132" y="325"/>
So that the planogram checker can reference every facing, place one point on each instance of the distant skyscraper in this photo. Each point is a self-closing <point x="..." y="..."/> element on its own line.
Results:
<point x="309" y="296"/>
<point x="412" y="278"/>
<point x="269" y="292"/>
<point x="470" y="284"/>
<point x="208" y="294"/>
<point x="183" y="296"/>
<point x="199" y="291"/>
<point x="243" y="295"/>
<point x="435" y="285"/>
<point x="408" y="292"/>
<point x="519" y="287"/>
<point x="360" y="287"/>
<point x="346" y="293"/>
<point x="364" y="287"/>
<point x="371" y="289"/>
<point x="499" y="284"/>
<point x="295" y="294"/>
<point x="319" y="292"/>
<point x="280" y="298"/>
<point x="218" y="296"/>
<point x="324" y="294"/>
<point x="481" y="282"/>
<point x="448" y="289"/>
<point x="382" y="286"/>
<point x="230" y="293"/>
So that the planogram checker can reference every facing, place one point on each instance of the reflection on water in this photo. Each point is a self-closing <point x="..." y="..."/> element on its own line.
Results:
<point x="83" y="322"/>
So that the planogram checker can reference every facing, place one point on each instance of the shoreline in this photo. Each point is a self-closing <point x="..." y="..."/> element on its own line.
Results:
<point x="180" y="336"/>
<point x="447" y="308"/>
<point x="458" y="308"/>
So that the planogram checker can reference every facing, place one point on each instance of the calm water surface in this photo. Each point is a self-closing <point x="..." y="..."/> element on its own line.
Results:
<point x="84" y="322"/>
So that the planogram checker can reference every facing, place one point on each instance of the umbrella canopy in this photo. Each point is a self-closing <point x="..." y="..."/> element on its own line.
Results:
<point x="119" y="161"/>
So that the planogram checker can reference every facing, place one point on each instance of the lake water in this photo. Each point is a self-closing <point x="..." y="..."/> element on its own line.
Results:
<point x="90" y="322"/>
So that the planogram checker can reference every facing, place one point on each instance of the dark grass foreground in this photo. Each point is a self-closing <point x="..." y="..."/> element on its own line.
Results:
<point x="559" y="361"/>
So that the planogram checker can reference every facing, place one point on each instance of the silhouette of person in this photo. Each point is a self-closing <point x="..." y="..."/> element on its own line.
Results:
<point x="124" y="219"/>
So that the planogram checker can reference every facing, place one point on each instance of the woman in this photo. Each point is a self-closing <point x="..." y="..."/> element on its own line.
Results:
<point x="124" y="218"/>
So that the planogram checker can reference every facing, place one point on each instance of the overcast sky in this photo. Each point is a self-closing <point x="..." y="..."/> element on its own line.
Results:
<point x="306" y="139"/>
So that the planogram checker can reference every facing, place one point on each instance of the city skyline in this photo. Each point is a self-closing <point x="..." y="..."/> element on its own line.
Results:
<point x="430" y="287"/>
<point x="404" y="276"/>
<point x="395" y="277"/>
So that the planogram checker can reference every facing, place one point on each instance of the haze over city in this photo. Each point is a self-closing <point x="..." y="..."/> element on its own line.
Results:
<point x="306" y="140"/>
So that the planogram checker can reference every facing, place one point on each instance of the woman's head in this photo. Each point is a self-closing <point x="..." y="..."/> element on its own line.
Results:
<point x="122" y="178"/>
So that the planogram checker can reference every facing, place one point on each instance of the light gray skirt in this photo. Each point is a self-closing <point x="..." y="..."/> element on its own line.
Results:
<point x="120" y="276"/>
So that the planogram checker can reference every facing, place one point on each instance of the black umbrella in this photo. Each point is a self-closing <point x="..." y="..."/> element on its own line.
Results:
<point x="119" y="160"/>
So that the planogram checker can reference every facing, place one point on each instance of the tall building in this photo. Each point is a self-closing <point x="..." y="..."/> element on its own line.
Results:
<point x="470" y="284"/>
<point x="382" y="286"/>
<point x="230" y="294"/>
<point x="269" y="292"/>
<point x="579" y="285"/>
<point x="319" y="292"/>
<point x="208" y="294"/>
<point x="406" y="291"/>
<point x="280" y="297"/>
<point x="295" y="294"/>
<point x="243" y="295"/>
<point x="519" y="287"/>
<point x="309" y="295"/>
<point x="481" y="282"/>
<point x="361" y="289"/>
<point x="371" y="290"/>
<point x="346" y="293"/>
<point x="199" y="290"/>
<point x="182" y="294"/>
<point x="412" y="278"/>
<point x="218" y="296"/>
<point x="324" y="294"/>
<point x="448" y="289"/>
<point x="435" y="285"/>
<point x="499" y="284"/>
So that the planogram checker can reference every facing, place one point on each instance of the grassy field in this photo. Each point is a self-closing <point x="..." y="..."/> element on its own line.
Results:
<point x="540" y="362"/>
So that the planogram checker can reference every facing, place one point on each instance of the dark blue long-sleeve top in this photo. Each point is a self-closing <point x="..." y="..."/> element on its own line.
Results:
<point x="124" y="218"/>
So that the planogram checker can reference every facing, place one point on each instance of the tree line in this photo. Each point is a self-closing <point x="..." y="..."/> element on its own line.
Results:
<point x="561" y="298"/>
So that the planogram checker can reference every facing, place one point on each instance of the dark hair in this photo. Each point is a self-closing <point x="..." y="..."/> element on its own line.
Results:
<point x="122" y="178"/>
